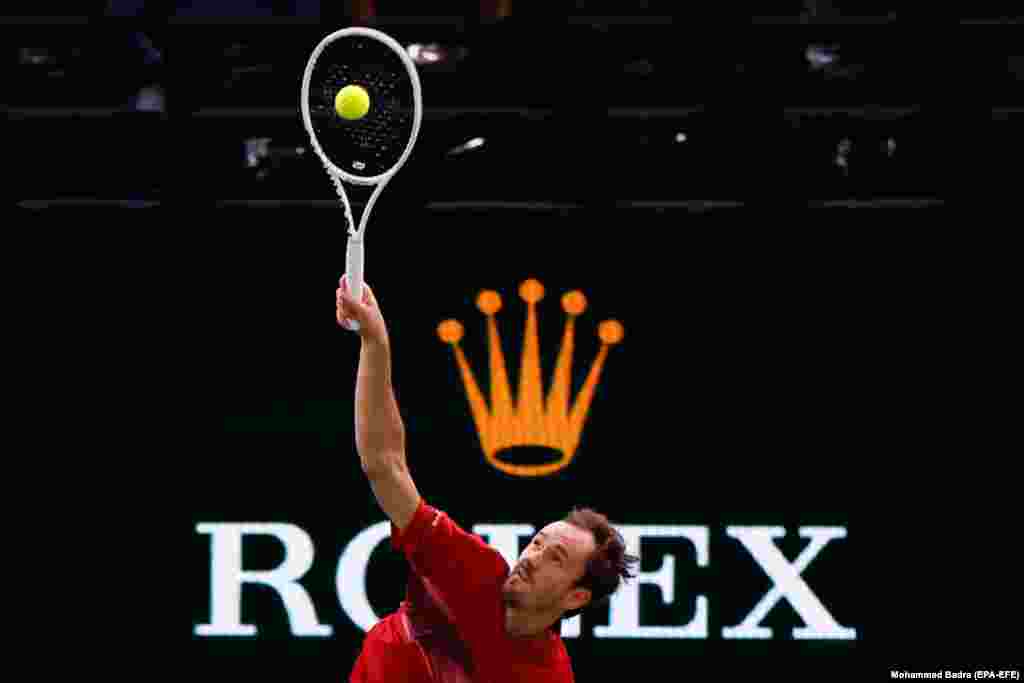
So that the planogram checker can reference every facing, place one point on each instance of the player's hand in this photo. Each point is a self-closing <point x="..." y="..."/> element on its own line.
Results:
<point x="366" y="313"/>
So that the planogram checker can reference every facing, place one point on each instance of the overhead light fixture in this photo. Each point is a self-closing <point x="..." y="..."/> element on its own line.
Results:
<point x="821" y="56"/>
<point x="680" y="137"/>
<point x="256" y="150"/>
<point x="842" y="157"/>
<point x="36" y="56"/>
<point x="435" y="55"/>
<point x="472" y="143"/>
<point x="262" y="157"/>
<point x="427" y="54"/>
<point x="150" y="98"/>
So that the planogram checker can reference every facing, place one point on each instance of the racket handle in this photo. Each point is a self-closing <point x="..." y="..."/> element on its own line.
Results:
<point x="354" y="272"/>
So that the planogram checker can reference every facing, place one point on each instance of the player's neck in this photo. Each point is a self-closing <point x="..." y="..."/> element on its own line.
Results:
<point x="522" y="624"/>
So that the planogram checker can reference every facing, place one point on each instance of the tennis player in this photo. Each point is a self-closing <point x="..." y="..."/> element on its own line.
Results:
<point x="467" y="615"/>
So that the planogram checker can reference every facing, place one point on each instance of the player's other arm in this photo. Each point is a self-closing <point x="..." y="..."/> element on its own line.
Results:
<point x="380" y="433"/>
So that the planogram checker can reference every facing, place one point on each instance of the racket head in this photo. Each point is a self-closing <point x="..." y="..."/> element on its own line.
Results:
<point x="369" y="150"/>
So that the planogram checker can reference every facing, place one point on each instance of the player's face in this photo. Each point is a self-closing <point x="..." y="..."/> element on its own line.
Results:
<point x="544" y="576"/>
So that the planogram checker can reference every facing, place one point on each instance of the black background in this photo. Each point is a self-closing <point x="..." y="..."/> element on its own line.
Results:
<point x="789" y="381"/>
<point x="803" y="345"/>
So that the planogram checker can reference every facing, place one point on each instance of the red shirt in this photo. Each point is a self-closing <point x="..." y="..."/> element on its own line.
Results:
<point x="451" y="626"/>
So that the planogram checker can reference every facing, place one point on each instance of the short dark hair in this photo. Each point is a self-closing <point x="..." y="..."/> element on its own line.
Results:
<point x="608" y="565"/>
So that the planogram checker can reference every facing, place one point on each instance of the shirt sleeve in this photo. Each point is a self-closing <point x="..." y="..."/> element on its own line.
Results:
<point x="467" y="572"/>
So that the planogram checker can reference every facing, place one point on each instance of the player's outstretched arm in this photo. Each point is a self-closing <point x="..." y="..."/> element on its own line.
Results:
<point x="380" y="433"/>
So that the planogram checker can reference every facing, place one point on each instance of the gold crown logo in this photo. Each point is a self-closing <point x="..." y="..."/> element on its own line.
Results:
<point x="531" y="421"/>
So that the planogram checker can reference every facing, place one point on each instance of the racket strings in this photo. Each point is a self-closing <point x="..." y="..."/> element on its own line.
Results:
<point x="371" y="145"/>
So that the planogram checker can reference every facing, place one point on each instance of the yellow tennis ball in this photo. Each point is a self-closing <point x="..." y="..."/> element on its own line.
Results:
<point x="352" y="102"/>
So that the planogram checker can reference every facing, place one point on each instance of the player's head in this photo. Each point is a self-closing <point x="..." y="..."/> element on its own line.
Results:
<point x="569" y="565"/>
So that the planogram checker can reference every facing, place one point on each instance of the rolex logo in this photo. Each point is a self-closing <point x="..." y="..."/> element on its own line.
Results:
<point x="531" y="421"/>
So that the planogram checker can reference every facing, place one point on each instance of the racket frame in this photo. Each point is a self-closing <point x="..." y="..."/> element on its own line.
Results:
<point x="355" y="250"/>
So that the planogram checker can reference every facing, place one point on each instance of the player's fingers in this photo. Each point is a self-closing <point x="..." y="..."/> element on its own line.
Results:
<point x="367" y="292"/>
<point x="344" y="315"/>
<point x="353" y="308"/>
<point x="343" y="299"/>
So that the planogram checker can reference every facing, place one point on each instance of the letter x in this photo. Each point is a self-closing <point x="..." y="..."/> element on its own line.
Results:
<point x="758" y="541"/>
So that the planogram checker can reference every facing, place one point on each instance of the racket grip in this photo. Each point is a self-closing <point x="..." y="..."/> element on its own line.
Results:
<point x="354" y="272"/>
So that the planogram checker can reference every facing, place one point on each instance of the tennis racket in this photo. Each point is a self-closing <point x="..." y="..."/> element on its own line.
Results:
<point x="369" y="150"/>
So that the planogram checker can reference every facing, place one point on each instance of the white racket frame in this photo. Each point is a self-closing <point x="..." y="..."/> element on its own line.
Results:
<point x="355" y="251"/>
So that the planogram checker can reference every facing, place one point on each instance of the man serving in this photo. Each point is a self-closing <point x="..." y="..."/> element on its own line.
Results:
<point x="467" y="615"/>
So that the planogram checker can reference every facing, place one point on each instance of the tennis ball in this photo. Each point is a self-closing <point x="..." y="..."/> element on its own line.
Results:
<point x="352" y="102"/>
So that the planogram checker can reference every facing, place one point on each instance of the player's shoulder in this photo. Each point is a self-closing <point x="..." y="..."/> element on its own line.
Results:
<point x="473" y="544"/>
<point x="487" y="550"/>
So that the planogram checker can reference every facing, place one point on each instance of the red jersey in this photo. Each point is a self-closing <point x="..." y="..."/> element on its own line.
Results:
<point x="451" y="626"/>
